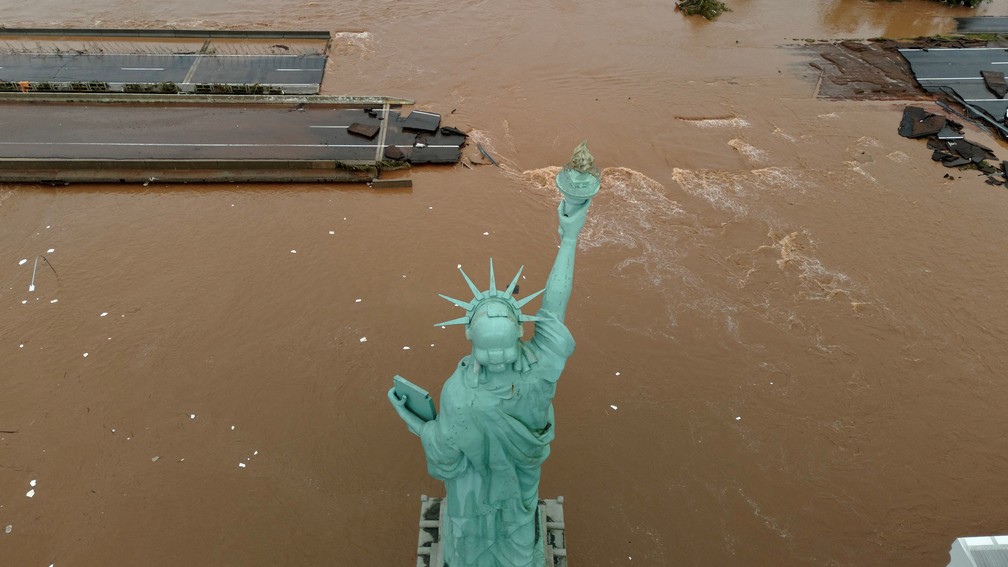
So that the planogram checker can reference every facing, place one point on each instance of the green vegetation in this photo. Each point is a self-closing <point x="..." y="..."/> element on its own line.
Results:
<point x="709" y="9"/>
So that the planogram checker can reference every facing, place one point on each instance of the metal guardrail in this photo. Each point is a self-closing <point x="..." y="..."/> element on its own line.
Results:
<point x="139" y="98"/>
<point x="166" y="33"/>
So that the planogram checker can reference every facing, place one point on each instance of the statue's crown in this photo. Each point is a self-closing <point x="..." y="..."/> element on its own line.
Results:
<point x="492" y="294"/>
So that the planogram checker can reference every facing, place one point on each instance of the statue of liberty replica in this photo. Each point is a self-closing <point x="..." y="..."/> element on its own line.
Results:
<point x="494" y="430"/>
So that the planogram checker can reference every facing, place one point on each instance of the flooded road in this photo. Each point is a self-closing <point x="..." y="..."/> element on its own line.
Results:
<point x="790" y="326"/>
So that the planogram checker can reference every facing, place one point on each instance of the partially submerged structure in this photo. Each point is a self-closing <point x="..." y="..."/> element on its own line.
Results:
<point x="198" y="106"/>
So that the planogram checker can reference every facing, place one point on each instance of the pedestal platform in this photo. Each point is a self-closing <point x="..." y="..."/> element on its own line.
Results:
<point x="551" y="532"/>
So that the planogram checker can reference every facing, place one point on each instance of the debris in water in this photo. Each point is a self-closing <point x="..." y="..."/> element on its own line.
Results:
<point x="104" y="313"/>
<point x="23" y="262"/>
<point x="405" y="348"/>
<point x="54" y="301"/>
<point x="154" y="459"/>
<point x="487" y="155"/>
<point x="709" y="9"/>
<point x="363" y="339"/>
<point x="241" y="465"/>
<point x="85" y="355"/>
<point x="613" y="407"/>
<point x="192" y="416"/>
<point x="293" y="251"/>
<point x="50" y="251"/>
<point x="8" y="529"/>
<point x="30" y="493"/>
<point x="738" y="418"/>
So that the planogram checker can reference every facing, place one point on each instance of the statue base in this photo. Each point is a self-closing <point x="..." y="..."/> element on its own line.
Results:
<point x="551" y="532"/>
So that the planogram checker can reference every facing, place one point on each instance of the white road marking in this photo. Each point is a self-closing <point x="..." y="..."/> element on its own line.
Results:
<point x="207" y="145"/>
<point x="143" y="68"/>
<point x="321" y="126"/>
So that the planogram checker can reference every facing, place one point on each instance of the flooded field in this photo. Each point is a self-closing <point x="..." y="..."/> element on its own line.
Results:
<point x="789" y="322"/>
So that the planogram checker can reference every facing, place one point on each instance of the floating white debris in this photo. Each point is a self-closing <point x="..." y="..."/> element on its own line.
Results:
<point x="617" y="373"/>
<point x="332" y="232"/>
<point x="32" y="483"/>
<point x="254" y="453"/>
<point x="405" y="348"/>
<point x="241" y="465"/>
<point x="104" y="314"/>
<point x="54" y="301"/>
<point x="486" y="234"/>
<point x="613" y="407"/>
<point x="363" y="339"/>
<point x="23" y="301"/>
<point x="30" y="493"/>
<point x="738" y="418"/>
<point x="22" y="345"/>
<point x="432" y="345"/>
<point x="192" y="416"/>
<point x="154" y="459"/>
<point x="357" y="300"/>
<point x="23" y="262"/>
<point x="48" y="225"/>
<point x="50" y="251"/>
<point x="344" y="218"/>
<point x="85" y="355"/>
<point x="232" y="428"/>
<point x="430" y="208"/>
<point x="113" y="430"/>
<point x="293" y="251"/>
<point x="8" y="529"/>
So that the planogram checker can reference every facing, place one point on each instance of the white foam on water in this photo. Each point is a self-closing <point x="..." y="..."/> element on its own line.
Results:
<point x="353" y="43"/>
<point x="726" y="122"/>
<point x="818" y="282"/>
<point x="749" y="151"/>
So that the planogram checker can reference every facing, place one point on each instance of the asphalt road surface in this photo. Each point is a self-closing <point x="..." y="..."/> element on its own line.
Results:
<point x="186" y="132"/>
<point x="291" y="73"/>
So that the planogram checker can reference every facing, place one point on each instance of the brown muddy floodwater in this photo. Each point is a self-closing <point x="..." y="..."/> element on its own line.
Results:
<point x="790" y="325"/>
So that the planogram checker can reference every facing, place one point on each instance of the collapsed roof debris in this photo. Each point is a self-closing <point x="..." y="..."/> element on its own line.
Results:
<point x="969" y="77"/>
<point x="949" y="146"/>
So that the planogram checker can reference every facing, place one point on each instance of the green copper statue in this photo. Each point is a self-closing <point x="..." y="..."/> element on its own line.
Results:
<point x="496" y="422"/>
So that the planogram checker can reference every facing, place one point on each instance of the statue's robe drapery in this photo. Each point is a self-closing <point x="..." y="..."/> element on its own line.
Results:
<point x="488" y="445"/>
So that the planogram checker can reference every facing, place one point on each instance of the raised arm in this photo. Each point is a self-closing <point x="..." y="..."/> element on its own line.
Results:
<point x="561" y="278"/>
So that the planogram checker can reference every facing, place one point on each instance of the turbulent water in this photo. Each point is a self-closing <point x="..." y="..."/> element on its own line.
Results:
<point x="789" y="321"/>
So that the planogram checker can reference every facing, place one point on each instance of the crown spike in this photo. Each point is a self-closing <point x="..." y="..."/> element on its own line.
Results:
<point x="477" y="294"/>
<point x="525" y="301"/>
<point x="493" y="281"/>
<point x="514" y="282"/>
<point x="458" y="302"/>
<point x="459" y="321"/>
